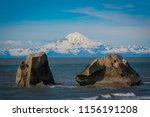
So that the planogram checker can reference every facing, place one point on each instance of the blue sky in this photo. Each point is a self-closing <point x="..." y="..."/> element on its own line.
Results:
<point x="115" y="22"/>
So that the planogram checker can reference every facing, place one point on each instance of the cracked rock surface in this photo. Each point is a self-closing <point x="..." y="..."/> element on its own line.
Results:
<point x="111" y="70"/>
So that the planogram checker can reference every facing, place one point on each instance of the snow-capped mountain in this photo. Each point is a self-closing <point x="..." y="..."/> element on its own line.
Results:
<point x="73" y="43"/>
<point x="76" y="44"/>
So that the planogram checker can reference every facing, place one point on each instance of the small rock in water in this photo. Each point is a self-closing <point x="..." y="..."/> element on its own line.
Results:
<point x="34" y="71"/>
<point x="111" y="70"/>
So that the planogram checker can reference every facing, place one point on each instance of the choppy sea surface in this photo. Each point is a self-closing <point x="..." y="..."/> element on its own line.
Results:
<point x="64" y="71"/>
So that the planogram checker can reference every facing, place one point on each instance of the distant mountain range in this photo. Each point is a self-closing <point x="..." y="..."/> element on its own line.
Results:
<point x="77" y="45"/>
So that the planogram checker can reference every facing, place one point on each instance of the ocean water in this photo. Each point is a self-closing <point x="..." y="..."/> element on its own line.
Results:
<point x="64" y="71"/>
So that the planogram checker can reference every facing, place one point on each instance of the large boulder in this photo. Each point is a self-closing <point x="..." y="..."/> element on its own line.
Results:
<point x="111" y="70"/>
<point x="34" y="71"/>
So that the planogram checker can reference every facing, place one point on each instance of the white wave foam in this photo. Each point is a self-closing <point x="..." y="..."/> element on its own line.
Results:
<point x="123" y="94"/>
<point x="137" y="98"/>
<point x="91" y="98"/>
<point x="106" y="96"/>
<point x="142" y="97"/>
<point x="53" y="86"/>
<point x="66" y="86"/>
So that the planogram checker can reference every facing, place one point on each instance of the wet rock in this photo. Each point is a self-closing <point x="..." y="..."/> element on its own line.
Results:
<point x="111" y="70"/>
<point x="34" y="71"/>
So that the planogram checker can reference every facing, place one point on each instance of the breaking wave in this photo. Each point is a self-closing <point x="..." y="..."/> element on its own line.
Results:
<point x="123" y="94"/>
<point x="91" y="98"/>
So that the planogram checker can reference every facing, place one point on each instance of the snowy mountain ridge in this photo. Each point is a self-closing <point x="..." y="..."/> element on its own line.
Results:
<point x="76" y="44"/>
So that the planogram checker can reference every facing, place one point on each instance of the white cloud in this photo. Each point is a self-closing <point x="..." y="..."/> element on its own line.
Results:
<point x="11" y="42"/>
<point x="119" y="7"/>
<point x="20" y="52"/>
<point x="116" y="16"/>
<point x="16" y="44"/>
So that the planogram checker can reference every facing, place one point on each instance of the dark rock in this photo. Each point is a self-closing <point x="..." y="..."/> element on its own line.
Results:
<point x="34" y="70"/>
<point x="111" y="70"/>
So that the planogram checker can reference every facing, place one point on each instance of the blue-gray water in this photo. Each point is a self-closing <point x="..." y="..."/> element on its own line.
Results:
<point x="64" y="71"/>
